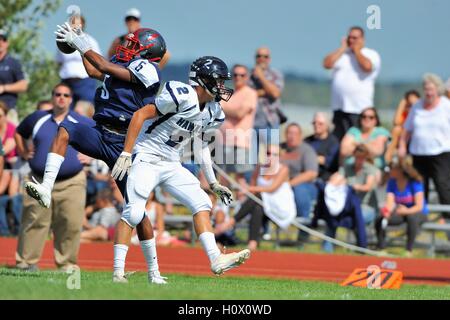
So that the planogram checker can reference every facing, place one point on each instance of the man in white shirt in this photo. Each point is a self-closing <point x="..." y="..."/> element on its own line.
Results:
<point x="355" y="69"/>
<point x="73" y="73"/>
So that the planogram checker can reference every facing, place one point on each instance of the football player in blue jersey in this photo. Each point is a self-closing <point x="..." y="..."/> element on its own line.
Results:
<point x="131" y="80"/>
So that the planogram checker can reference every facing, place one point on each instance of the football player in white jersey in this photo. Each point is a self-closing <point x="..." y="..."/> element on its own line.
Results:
<point x="158" y="132"/>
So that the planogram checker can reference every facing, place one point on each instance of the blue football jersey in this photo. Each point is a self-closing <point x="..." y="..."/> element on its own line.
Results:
<point x="117" y="100"/>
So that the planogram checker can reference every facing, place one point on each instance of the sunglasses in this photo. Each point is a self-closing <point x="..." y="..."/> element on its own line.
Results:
<point x="58" y="94"/>
<point x="239" y="75"/>
<point x="262" y="56"/>
<point x="318" y="123"/>
<point x="368" y="117"/>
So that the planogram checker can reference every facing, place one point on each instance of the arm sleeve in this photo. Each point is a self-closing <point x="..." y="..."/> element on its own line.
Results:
<point x="408" y="125"/>
<point x="18" y="72"/>
<point x="310" y="160"/>
<point x="390" y="186"/>
<point x="417" y="186"/>
<point x="279" y="80"/>
<point x="144" y="71"/>
<point x="204" y="158"/>
<point x="331" y="156"/>
<point x="25" y="128"/>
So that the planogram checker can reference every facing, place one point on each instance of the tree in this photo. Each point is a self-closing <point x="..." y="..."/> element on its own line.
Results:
<point x="23" y="20"/>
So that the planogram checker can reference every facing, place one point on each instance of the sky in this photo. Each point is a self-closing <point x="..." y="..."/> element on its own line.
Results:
<point x="413" y="38"/>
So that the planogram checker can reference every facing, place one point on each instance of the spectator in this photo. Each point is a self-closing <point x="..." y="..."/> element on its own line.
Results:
<point x="447" y="88"/>
<point x="236" y="131"/>
<point x="269" y="84"/>
<point x="73" y="73"/>
<point x="369" y="132"/>
<point x="271" y="184"/>
<point x="44" y="105"/>
<point x="9" y="181"/>
<point x="339" y="206"/>
<point x="362" y="177"/>
<point x="133" y="23"/>
<point x="405" y="202"/>
<point x="401" y="114"/>
<point x="4" y="227"/>
<point x="65" y="215"/>
<point x="100" y="226"/>
<point x="325" y="144"/>
<point x="427" y="133"/>
<point x="84" y="108"/>
<point x="303" y="168"/>
<point x="355" y="68"/>
<point x="12" y="79"/>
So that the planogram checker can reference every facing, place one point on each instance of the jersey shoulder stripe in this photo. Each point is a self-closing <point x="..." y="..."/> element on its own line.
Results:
<point x="174" y="98"/>
<point x="158" y="121"/>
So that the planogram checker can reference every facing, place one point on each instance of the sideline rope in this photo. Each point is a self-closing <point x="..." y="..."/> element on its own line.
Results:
<point x="300" y="226"/>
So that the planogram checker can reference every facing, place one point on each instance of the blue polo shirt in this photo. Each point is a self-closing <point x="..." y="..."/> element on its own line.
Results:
<point x="42" y="128"/>
<point x="10" y="72"/>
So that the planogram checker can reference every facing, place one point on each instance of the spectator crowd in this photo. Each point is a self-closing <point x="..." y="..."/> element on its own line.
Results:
<point x="335" y="174"/>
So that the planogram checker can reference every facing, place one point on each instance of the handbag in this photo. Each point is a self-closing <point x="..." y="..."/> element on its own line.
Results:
<point x="281" y="116"/>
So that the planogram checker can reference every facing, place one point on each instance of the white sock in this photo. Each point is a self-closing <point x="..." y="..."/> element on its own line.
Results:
<point x="209" y="245"/>
<point x="149" y="249"/>
<point x="52" y="166"/>
<point x="120" y="254"/>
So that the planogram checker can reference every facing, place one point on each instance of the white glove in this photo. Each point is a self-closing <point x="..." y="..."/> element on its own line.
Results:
<point x="75" y="38"/>
<point x="222" y="192"/>
<point x="122" y="166"/>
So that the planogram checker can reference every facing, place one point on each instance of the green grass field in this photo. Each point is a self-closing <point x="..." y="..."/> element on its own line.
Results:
<point x="98" y="285"/>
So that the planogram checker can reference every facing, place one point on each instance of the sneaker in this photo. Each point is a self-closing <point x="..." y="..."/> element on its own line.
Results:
<point x="27" y="267"/>
<point x="327" y="247"/>
<point x="225" y="262"/>
<point x="155" y="277"/>
<point x="267" y="236"/>
<point x="39" y="192"/>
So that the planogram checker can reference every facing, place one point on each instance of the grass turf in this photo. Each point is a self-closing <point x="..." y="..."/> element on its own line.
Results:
<point x="98" y="285"/>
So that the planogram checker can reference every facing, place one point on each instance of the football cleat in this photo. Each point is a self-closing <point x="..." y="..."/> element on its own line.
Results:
<point x="118" y="277"/>
<point x="228" y="261"/>
<point x="156" y="278"/>
<point x="39" y="192"/>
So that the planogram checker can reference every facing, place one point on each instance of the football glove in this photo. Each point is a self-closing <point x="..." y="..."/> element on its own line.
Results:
<point x="122" y="166"/>
<point x="75" y="38"/>
<point x="222" y="192"/>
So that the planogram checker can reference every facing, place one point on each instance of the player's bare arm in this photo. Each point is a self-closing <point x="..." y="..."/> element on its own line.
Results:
<point x="123" y="163"/>
<point x="145" y="113"/>
<point x="103" y="67"/>
<point x="78" y="40"/>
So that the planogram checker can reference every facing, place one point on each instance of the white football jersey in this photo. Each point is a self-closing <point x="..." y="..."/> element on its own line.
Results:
<point x="179" y="119"/>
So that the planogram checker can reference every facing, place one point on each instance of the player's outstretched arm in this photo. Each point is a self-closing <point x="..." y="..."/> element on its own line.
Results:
<point x="123" y="163"/>
<point x="103" y="67"/>
<point x="92" y="71"/>
<point x="78" y="40"/>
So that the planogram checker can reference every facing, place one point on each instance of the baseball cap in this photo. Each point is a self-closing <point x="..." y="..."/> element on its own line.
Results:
<point x="134" y="13"/>
<point x="3" y="34"/>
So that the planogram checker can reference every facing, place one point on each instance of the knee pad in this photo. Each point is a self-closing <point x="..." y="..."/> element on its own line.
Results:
<point x="132" y="216"/>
